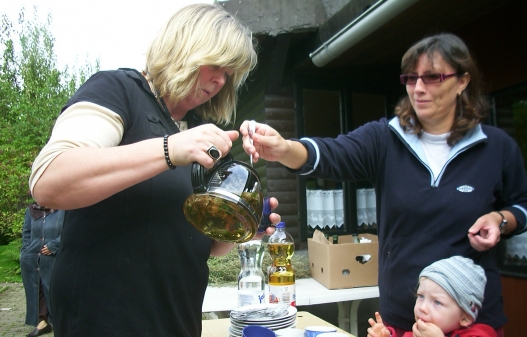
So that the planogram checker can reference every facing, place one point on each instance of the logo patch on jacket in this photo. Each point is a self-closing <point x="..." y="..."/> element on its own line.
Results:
<point x="465" y="189"/>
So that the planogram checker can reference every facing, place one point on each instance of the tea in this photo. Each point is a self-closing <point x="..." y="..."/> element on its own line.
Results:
<point x="224" y="219"/>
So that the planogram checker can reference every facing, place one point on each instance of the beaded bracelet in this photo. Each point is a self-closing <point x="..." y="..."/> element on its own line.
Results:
<point x="167" y="158"/>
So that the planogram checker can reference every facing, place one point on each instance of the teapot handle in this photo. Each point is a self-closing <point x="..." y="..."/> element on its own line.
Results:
<point x="201" y="177"/>
<point x="265" y="222"/>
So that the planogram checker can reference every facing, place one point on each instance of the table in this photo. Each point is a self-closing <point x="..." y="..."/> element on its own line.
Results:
<point x="219" y="327"/>
<point x="308" y="292"/>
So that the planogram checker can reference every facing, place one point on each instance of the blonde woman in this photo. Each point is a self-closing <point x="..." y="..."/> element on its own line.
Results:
<point x="118" y="162"/>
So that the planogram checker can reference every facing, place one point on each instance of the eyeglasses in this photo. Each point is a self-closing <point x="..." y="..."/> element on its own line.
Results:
<point x="427" y="78"/>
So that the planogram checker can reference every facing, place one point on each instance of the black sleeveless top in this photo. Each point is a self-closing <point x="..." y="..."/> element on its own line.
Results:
<point x="131" y="265"/>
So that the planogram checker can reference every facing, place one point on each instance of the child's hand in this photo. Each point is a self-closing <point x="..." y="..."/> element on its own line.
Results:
<point x="377" y="328"/>
<point x="423" y="329"/>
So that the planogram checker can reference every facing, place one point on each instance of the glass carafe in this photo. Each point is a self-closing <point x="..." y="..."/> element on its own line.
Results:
<point x="251" y="280"/>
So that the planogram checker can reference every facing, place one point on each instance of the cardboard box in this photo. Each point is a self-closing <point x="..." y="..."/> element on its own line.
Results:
<point x="341" y="265"/>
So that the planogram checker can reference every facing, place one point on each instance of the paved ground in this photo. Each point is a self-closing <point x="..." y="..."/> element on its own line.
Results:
<point x="13" y="311"/>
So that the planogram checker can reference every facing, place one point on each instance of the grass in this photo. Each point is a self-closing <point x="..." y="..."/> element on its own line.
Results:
<point x="9" y="262"/>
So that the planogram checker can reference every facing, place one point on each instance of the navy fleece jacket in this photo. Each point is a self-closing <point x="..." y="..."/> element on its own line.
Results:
<point x="421" y="219"/>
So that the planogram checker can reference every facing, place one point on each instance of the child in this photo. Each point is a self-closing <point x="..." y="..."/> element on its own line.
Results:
<point x="449" y="296"/>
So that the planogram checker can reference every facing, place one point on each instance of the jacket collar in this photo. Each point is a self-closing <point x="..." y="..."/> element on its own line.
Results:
<point x="411" y="140"/>
<point x="413" y="143"/>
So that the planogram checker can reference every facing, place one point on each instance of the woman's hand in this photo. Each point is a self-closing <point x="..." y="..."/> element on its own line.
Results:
<point x="275" y="219"/>
<point x="45" y="251"/>
<point x="192" y="145"/>
<point x="268" y="144"/>
<point x="485" y="232"/>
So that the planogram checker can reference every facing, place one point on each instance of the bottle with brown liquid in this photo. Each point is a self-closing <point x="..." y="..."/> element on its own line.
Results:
<point x="281" y="275"/>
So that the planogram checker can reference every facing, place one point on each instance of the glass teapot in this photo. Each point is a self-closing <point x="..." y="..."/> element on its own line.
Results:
<point x="227" y="202"/>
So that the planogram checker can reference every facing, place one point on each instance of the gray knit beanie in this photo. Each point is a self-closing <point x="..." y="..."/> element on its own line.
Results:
<point x="461" y="279"/>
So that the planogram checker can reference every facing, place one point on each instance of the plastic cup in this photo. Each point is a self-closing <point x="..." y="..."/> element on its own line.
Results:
<point x="315" y="330"/>
<point x="333" y="334"/>
<point x="257" y="331"/>
<point x="290" y="332"/>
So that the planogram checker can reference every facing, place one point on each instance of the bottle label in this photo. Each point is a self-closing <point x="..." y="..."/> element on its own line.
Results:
<point x="285" y="294"/>
<point x="250" y="297"/>
<point x="251" y="290"/>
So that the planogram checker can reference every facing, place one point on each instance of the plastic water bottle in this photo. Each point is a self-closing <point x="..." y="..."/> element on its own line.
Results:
<point x="281" y="275"/>
<point x="251" y="280"/>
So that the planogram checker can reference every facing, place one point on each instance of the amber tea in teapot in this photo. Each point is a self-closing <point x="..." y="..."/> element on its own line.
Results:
<point x="228" y="201"/>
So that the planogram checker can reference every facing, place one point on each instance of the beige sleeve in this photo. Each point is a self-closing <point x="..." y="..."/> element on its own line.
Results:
<point x="83" y="124"/>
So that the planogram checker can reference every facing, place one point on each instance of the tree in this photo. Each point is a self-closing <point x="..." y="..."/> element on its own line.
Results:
<point x="32" y="93"/>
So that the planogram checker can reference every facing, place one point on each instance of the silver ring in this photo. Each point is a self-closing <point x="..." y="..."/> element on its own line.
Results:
<point x="214" y="153"/>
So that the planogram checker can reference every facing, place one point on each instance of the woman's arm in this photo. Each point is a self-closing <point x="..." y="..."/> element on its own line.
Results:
<point x="82" y="164"/>
<point x="83" y="176"/>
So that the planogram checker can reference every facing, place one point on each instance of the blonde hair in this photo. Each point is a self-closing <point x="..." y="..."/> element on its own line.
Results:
<point x="201" y="35"/>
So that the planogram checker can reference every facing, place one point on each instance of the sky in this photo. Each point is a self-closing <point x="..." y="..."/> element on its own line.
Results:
<point x="116" y="32"/>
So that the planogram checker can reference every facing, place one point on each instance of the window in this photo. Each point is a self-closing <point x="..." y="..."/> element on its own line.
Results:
<point x="510" y="114"/>
<point x="329" y="206"/>
<point x="324" y="198"/>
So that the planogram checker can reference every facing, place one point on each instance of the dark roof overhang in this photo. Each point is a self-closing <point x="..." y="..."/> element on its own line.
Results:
<point x="388" y="28"/>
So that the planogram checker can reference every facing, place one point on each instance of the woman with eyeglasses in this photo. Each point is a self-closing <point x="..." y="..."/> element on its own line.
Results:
<point x="446" y="183"/>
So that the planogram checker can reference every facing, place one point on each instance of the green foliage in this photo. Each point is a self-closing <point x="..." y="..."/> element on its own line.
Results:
<point x="32" y="93"/>
<point x="10" y="262"/>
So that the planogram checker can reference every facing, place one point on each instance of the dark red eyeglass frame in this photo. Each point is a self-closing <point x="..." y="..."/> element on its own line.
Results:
<point x="442" y="77"/>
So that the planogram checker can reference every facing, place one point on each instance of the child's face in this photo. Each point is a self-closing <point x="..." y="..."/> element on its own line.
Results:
<point x="435" y="305"/>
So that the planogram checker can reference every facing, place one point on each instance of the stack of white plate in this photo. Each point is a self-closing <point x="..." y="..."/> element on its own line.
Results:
<point x="274" y="323"/>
